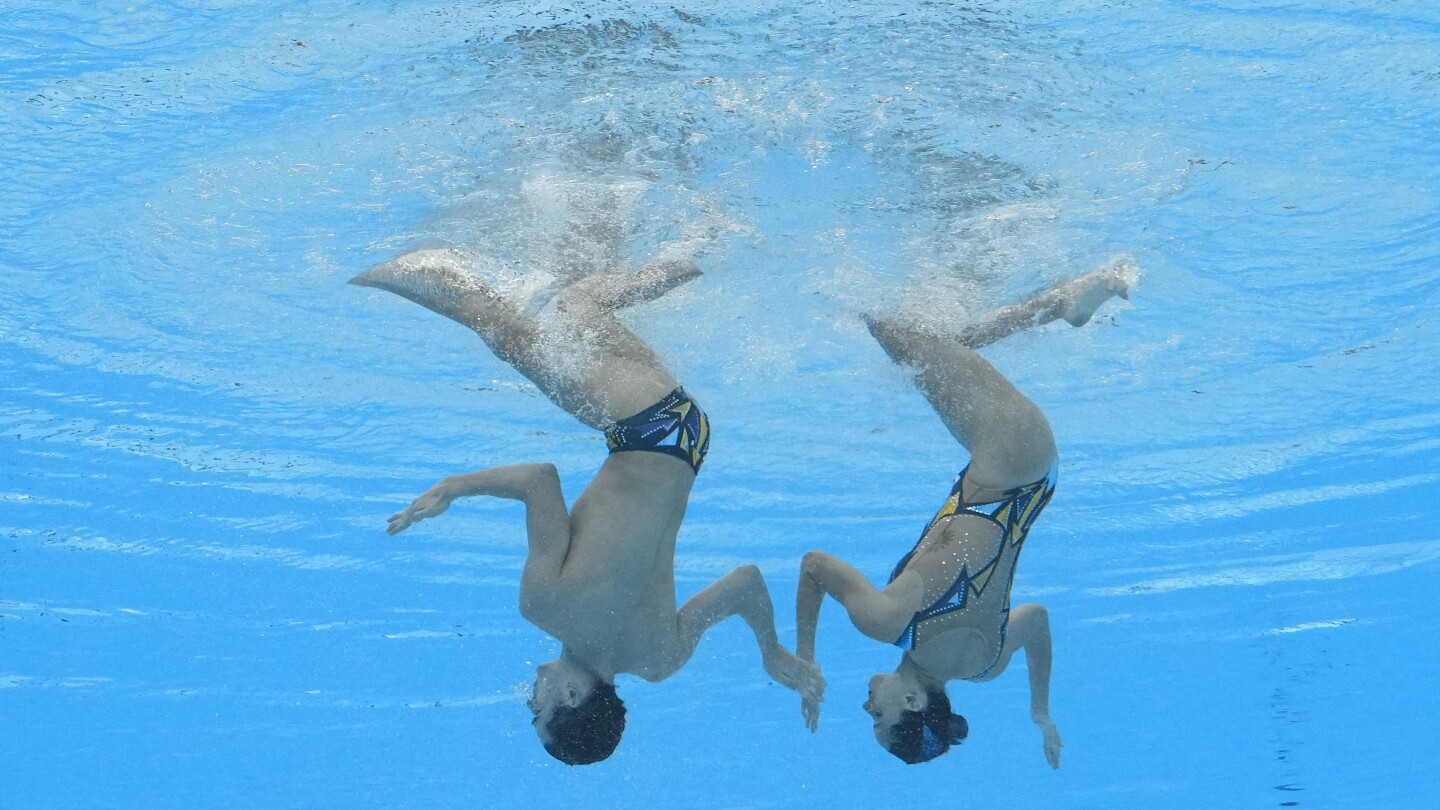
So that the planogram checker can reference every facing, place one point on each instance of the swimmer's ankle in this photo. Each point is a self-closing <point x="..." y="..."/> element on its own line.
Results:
<point x="1084" y="295"/>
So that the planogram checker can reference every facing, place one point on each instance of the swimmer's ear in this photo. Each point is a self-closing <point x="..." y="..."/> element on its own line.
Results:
<point x="912" y="701"/>
<point x="572" y="695"/>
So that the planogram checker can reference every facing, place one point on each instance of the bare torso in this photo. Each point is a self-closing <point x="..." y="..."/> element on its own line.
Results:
<point x="600" y="574"/>
<point x="616" y="606"/>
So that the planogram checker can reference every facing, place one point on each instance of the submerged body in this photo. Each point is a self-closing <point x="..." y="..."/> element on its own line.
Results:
<point x="599" y="575"/>
<point x="976" y="545"/>
<point x="947" y="602"/>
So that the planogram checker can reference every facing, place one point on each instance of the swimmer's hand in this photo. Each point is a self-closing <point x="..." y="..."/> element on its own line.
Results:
<point x="433" y="502"/>
<point x="802" y="676"/>
<point x="1053" y="743"/>
<point x="811" y="710"/>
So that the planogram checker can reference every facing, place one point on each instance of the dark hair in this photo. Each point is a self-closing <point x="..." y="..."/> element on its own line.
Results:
<point x="922" y="736"/>
<point x="589" y="732"/>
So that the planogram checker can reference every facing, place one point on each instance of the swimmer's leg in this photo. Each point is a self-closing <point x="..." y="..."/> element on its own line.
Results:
<point x="625" y="376"/>
<point x="589" y="363"/>
<point x="1008" y="437"/>
<point x="440" y="281"/>
<point x="1075" y="301"/>
<point x="612" y="291"/>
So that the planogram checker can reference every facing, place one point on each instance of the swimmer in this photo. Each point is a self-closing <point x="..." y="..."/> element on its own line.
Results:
<point x="947" y="603"/>
<point x="600" y="575"/>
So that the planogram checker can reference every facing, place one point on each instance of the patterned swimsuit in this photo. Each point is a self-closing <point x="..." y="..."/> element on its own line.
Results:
<point x="1014" y="512"/>
<point x="674" y="426"/>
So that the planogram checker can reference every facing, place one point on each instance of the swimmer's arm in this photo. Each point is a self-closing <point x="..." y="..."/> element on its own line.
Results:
<point x="547" y="521"/>
<point x="1029" y="630"/>
<point x="743" y="593"/>
<point x="881" y="615"/>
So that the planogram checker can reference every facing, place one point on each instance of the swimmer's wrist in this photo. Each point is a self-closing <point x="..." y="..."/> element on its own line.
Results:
<point x="449" y="488"/>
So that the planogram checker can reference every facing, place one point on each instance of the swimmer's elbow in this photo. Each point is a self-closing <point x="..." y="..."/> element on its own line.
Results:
<point x="1034" y="612"/>
<point x="1042" y="614"/>
<point x="1032" y="621"/>
<point x="812" y="564"/>
<point x="817" y="579"/>
<point x="544" y="474"/>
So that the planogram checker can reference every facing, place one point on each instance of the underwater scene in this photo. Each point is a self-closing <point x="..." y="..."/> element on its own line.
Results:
<point x="1197" y="240"/>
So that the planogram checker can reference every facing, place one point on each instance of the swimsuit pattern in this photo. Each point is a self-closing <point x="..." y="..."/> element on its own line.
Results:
<point x="674" y="426"/>
<point x="1014" y="512"/>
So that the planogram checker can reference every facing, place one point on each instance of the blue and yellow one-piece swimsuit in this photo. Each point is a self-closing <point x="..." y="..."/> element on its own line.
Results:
<point x="1014" y="513"/>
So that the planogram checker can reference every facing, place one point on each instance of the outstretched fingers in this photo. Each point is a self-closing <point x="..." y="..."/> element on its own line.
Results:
<point x="399" y="522"/>
<point x="811" y="710"/>
<point x="1053" y="743"/>
<point x="433" y="502"/>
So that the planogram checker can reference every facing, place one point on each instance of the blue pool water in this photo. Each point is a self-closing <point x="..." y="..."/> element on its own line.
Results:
<point x="203" y="428"/>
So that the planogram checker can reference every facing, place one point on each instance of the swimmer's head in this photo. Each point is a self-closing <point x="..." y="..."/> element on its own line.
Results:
<point x="913" y="723"/>
<point x="577" y="714"/>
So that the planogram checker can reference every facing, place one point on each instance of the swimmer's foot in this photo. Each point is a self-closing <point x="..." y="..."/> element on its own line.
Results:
<point x="438" y="279"/>
<point x="420" y="274"/>
<point x="1080" y="298"/>
<point x="658" y="278"/>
